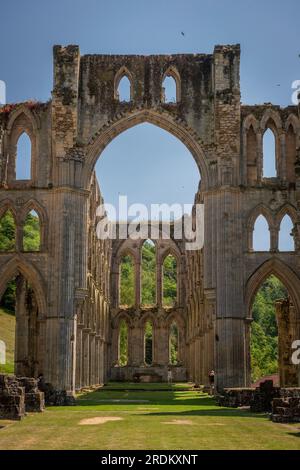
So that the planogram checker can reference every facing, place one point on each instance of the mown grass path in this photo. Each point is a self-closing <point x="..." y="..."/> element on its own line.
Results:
<point x="173" y="419"/>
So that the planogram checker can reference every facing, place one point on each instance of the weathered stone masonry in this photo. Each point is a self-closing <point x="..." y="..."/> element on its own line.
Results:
<point x="67" y="332"/>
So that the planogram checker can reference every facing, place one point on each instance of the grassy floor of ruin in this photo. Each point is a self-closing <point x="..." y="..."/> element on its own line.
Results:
<point x="131" y="418"/>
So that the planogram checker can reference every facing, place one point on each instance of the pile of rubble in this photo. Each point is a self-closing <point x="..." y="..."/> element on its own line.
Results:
<point x="283" y="404"/>
<point x="258" y="399"/>
<point x="263" y="397"/>
<point x="18" y="396"/>
<point x="235" y="397"/>
<point x="286" y="409"/>
<point x="55" y="397"/>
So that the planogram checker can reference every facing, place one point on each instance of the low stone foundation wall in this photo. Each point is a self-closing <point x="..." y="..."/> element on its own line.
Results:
<point x="283" y="404"/>
<point x="147" y="374"/>
<point x="18" y="396"/>
<point x="258" y="399"/>
<point x="55" y="397"/>
<point x="286" y="410"/>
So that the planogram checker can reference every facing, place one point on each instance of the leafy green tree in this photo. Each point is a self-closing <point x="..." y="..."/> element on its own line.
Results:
<point x="7" y="232"/>
<point x="123" y="343"/>
<point x="173" y="344"/>
<point x="148" y="273"/>
<point x="31" y="232"/>
<point x="127" y="280"/>
<point x="169" y="281"/>
<point x="264" y="332"/>
<point x="31" y="242"/>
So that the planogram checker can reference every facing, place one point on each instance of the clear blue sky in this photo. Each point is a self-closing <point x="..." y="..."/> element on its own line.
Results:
<point x="268" y="31"/>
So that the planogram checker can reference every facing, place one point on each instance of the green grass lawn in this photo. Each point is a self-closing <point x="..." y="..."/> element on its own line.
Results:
<point x="7" y="334"/>
<point x="172" y="419"/>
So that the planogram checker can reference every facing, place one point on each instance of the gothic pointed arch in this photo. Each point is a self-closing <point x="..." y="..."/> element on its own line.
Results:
<point x="284" y="273"/>
<point x="18" y="265"/>
<point x="164" y="120"/>
<point x="173" y="73"/>
<point x="123" y="72"/>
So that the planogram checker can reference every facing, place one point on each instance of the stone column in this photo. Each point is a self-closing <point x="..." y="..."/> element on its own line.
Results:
<point x="92" y="359"/>
<point x="79" y="352"/>
<point x="85" y="356"/>
<point x="22" y="330"/>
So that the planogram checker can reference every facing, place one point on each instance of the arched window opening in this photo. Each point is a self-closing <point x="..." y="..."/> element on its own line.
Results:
<point x="32" y="232"/>
<point x="148" y="274"/>
<point x="127" y="281"/>
<point x="269" y="154"/>
<point x="8" y="327"/>
<point x="173" y="344"/>
<point x="261" y="235"/>
<point x="264" y="329"/>
<point x="19" y="316"/>
<point x="128" y="166"/>
<point x="169" y="90"/>
<point x="123" y="343"/>
<point x="148" y="343"/>
<point x="124" y="89"/>
<point x="7" y="232"/>
<point x="23" y="158"/>
<point x="169" y="281"/>
<point x="286" y="240"/>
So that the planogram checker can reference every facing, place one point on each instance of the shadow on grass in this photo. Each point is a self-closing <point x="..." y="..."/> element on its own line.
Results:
<point x="295" y="434"/>
<point x="205" y="405"/>
<point x="225" y="412"/>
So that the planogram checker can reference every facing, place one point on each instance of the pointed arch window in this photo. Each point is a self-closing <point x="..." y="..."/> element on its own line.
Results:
<point x="269" y="154"/>
<point x="148" y="273"/>
<point x="148" y="343"/>
<point x="169" y="281"/>
<point x="23" y="157"/>
<point x="173" y="344"/>
<point x="261" y="234"/>
<point x="32" y="232"/>
<point x="123" y="86"/>
<point x="127" y="281"/>
<point x="7" y="232"/>
<point x="286" y="240"/>
<point x="123" y="343"/>
<point x="171" y="87"/>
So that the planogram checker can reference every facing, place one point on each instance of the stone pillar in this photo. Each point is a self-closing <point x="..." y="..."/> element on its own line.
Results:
<point x="79" y="352"/>
<point x="137" y="349"/>
<point x="286" y="317"/>
<point x="22" y="330"/>
<point x="85" y="356"/>
<point x="231" y="360"/>
<point x="92" y="359"/>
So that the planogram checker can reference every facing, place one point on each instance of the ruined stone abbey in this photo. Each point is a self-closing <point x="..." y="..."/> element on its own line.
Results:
<point x="68" y="313"/>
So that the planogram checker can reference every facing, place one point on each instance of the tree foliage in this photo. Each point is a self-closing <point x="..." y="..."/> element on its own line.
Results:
<point x="264" y="332"/>
<point x="7" y="232"/>
<point x="169" y="281"/>
<point x="148" y="273"/>
<point x="127" y="278"/>
<point x="123" y="343"/>
<point x="31" y="242"/>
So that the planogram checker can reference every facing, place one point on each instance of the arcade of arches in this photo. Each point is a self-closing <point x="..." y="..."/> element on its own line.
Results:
<point x="77" y="323"/>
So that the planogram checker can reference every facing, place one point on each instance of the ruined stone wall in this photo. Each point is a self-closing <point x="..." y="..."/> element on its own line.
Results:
<point x="93" y="309"/>
<point x="225" y="138"/>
